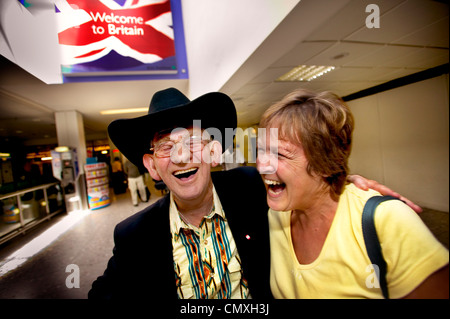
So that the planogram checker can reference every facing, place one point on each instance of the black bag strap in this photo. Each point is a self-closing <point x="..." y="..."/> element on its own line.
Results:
<point x="371" y="239"/>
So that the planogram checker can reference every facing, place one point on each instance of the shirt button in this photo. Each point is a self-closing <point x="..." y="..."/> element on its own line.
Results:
<point x="205" y="242"/>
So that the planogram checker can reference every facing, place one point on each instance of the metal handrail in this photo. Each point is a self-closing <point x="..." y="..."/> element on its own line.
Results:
<point x="24" y="227"/>
<point x="27" y="190"/>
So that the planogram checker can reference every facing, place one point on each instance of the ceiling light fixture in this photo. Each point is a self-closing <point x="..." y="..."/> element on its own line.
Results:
<point x="305" y="73"/>
<point x="61" y="149"/>
<point x="340" y="56"/>
<point x="121" y="111"/>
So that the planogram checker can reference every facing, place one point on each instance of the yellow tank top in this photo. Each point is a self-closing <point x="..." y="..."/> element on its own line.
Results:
<point x="343" y="268"/>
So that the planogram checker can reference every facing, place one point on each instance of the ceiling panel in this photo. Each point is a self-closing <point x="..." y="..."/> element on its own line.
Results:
<point x="402" y="21"/>
<point x="302" y="53"/>
<point x="277" y="90"/>
<point x="433" y="35"/>
<point x="342" y="88"/>
<point x="346" y="74"/>
<point x="350" y="19"/>
<point x="349" y="52"/>
<point x="388" y="74"/>
<point x="422" y="58"/>
<point x="250" y="89"/>
<point x="382" y="56"/>
<point x="270" y="74"/>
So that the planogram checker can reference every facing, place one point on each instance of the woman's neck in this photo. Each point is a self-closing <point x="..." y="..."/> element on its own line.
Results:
<point x="309" y="229"/>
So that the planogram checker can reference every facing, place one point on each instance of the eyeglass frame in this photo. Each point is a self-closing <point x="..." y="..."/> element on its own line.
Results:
<point x="154" y="151"/>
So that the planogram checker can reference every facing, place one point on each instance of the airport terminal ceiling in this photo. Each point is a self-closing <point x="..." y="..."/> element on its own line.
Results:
<point x="412" y="37"/>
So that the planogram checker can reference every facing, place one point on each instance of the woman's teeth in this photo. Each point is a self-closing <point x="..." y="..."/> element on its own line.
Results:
<point x="271" y="182"/>
<point x="275" y="187"/>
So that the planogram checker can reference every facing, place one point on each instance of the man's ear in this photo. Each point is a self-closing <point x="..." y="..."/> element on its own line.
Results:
<point x="215" y="153"/>
<point x="149" y="164"/>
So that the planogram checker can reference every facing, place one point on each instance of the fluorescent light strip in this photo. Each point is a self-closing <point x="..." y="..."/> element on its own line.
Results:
<point x="121" y="111"/>
<point x="305" y="73"/>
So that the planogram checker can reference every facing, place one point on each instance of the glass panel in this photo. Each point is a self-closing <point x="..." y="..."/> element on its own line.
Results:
<point x="55" y="198"/>
<point x="35" y="204"/>
<point x="31" y="205"/>
<point x="9" y="215"/>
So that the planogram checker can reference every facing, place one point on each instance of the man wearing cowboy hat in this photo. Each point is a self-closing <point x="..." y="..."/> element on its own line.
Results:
<point x="208" y="238"/>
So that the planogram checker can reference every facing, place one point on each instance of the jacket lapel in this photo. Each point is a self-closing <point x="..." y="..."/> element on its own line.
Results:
<point x="234" y="206"/>
<point x="157" y="239"/>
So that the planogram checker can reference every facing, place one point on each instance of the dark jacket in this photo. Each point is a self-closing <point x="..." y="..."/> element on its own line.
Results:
<point x="142" y="262"/>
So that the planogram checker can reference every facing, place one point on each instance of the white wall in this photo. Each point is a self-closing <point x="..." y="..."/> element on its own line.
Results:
<point x="401" y="139"/>
<point x="31" y="42"/>
<point x="221" y="34"/>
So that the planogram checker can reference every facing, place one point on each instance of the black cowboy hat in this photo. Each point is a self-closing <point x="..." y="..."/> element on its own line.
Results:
<point x="168" y="109"/>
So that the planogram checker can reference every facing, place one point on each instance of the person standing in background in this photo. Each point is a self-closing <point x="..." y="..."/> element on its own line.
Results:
<point x="135" y="183"/>
<point x="118" y="178"/>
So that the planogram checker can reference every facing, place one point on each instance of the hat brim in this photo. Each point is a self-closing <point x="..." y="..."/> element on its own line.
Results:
<point x="215" y="110"/>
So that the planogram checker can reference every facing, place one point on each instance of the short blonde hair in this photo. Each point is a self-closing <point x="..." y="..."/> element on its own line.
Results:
<point x="322" y="124"/>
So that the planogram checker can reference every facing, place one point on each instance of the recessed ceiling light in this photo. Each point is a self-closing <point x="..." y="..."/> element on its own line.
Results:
<point x="121" y="111"/>
<point x="305" y="73"/>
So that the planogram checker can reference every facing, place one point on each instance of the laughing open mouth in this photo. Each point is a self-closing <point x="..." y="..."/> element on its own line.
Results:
<point x="275" y="187"/>
<point x="183" y="174"/>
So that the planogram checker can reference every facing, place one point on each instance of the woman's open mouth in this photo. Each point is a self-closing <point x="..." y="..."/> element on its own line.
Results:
<point x="274" y="187"/>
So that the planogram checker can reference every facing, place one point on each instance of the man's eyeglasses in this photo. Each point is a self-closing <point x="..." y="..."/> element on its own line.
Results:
<point x="165" y="148"/>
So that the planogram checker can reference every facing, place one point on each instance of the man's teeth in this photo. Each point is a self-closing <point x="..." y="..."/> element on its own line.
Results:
<point x="272" y="182"/>
<point x="185" y="171"/>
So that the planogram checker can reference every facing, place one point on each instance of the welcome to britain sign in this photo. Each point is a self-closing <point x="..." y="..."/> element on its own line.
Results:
<point x="121" y="39"/>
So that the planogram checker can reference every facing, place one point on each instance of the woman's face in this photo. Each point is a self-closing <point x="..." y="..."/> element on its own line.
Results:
<point x="283" y="167"/>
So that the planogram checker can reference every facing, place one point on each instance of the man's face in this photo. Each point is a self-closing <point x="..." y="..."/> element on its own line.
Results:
<point x="182" y="159"/>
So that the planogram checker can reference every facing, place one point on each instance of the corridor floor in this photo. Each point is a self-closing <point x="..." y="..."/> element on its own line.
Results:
<point x="87" y="244"/>
<point x="41" y="272"/>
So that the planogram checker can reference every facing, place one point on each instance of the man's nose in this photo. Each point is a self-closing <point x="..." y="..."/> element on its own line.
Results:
<point x="180" y="154"/>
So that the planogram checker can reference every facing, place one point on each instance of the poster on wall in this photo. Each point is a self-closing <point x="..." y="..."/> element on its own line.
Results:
<point x="121" y="39"/>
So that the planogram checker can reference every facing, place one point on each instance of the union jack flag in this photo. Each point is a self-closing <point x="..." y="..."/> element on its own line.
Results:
<point x="115" y="35"/>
